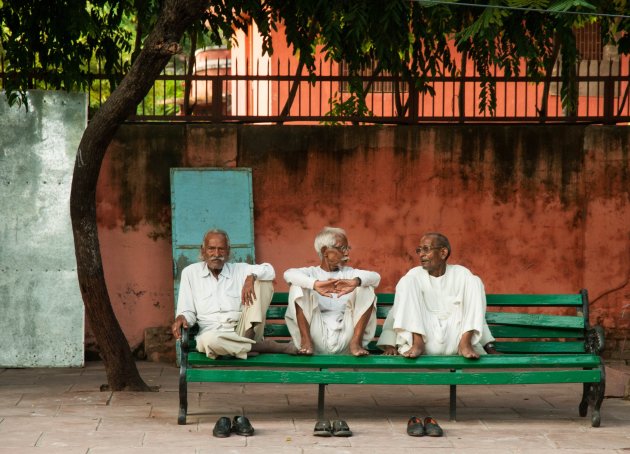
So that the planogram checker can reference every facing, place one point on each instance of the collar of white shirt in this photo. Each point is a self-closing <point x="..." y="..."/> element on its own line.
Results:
<point x="226" y="272"/>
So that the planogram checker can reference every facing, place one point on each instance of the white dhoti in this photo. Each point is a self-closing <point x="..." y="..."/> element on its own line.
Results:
<point x="331" y="333"/>
<point x="441" y="310"/>
<point x="229" y="339"/>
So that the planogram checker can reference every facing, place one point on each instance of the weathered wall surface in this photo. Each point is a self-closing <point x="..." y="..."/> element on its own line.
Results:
<point x="529" y="209"/>
<point x="42" y="311"/>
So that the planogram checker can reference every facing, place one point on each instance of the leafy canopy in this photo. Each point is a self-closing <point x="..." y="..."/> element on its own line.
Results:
<point x="56" y="40"/>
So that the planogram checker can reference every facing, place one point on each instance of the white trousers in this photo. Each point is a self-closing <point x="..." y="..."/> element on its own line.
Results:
<point x="359" y="301"/>
<point x="234" y="343"/>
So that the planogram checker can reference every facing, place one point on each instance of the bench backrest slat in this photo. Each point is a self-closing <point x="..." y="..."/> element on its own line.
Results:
<point x="493" y="299"/>
<point x="500" y="331"/>
<point x="540" y="347"/>
<point x="538" y="320"/>
<point x="569" y="300"/>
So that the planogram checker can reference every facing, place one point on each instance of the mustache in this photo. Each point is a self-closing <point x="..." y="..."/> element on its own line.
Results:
<point x="345" y="259"/>
<point x="216" y="257"/>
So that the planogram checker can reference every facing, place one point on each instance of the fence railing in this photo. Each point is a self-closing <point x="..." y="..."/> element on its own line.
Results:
<point x="222" y="91"/>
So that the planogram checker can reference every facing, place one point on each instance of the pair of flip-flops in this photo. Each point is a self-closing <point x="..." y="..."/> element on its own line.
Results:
<point x="334" y="428"/>
<point x="416" y="427"/>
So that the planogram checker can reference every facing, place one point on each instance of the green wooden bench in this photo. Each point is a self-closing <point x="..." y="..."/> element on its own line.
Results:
<point x="542" y="339"/>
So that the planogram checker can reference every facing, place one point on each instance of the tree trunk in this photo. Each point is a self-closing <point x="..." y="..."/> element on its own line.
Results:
<point x="160" y="45"/>
<point x="189" y="73"/>
<point x="549" y="64"/>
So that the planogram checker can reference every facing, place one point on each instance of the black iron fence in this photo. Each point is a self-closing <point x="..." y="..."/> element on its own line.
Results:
<point x="225" y="90"/>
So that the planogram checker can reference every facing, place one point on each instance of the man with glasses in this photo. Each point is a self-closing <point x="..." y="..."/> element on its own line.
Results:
<point x="439" y="309"/>
<point x="331" y="306"/>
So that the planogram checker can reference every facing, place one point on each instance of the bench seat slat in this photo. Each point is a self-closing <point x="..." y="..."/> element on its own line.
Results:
<point x="393" y="378"/>
<point x="393" y="362"/>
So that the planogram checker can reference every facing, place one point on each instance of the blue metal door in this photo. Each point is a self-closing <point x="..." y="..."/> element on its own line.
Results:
<point x="206" y="198"/>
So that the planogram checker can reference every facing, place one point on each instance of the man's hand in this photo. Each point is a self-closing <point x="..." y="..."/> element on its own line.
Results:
<point x="177" y="324"/>
<point x="247" y="294"/>
<point x="344" y="286"/>
<point x="326" y="288"/>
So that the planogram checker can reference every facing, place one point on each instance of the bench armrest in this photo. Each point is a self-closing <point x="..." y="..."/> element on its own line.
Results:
<point x="185" y="339"/>
<point x="595" y="341"/>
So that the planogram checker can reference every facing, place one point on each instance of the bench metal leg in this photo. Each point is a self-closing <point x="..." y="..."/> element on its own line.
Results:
<point x="183" y="382"/>
<point x="321" y="402"/>
<point x="592" y="397"/>
<point x="183" y="397"/>
<point x="453" y="403"/>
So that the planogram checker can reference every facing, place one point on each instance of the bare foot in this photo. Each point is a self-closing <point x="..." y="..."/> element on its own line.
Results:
<point x="390" y="350"/>
<point x="467" y="351"/>
<point x="305" y="350"/>
<point x="357" y="350"/>
<point x="414" y="352"/>
<point x="417" y="347"/>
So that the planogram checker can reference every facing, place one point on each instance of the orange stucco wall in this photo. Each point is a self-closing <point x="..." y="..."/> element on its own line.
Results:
<point x="529" y="209"/>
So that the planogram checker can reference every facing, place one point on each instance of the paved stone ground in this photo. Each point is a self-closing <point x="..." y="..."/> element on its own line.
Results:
<point x="63" y="411"/>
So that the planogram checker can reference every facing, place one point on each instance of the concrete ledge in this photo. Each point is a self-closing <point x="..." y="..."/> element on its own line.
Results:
<point x="617" y="379"/>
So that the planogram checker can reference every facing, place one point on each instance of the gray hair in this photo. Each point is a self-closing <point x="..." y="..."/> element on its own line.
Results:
<point x="327" y="238"/>
<point x="213" y="232"/>
<point x="441" y="241"/>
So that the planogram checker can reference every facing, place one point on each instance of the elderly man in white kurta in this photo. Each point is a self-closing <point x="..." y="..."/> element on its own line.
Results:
<point x="439" y="309"/>
<point x="331" y="306"/>
<point x="228" y="301"/>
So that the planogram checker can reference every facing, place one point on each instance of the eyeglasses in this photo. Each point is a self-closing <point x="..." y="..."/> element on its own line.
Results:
<point x="343" y="249"/>
<point x="426" y="249"/>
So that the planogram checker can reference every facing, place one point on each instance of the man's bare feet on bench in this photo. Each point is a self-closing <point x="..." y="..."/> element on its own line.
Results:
<point x="468" y="352"/>
<point x="357" y="350"/>
<point x="306" y="349"/>
<point x="414" y="352"/>
<point x="390" y="350"/>
<point x="465" y="347"/>
<point x="417" y="348"/>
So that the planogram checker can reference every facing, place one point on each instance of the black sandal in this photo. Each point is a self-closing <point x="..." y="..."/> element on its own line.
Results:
<point x="415" y="428"/>
<point x="340" y="428"/>
<point x="432" y="428"/>
<point x="323" y="429"/>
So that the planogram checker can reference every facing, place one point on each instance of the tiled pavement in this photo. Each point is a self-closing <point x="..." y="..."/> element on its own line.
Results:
<point x="63" y="411"/>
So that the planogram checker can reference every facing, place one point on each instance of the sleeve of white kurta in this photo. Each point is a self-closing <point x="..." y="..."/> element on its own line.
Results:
<point x="263" y="271"/>
<point x="300" y="276"/>
<point x="368" y="278"/>
<point x="185" y="301"/>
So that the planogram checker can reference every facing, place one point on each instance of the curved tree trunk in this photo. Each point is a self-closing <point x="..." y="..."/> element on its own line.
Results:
<point x="160" y="45"/>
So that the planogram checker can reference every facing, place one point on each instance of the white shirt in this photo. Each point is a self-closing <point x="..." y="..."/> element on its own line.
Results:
<point x="332" y="308"/>
<point x="215" y="304"/>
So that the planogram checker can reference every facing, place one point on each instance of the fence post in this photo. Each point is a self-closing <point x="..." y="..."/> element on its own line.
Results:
<point x="217" y="98"/>
<point x="413" y="102"/>
<point x="609" y="100"/>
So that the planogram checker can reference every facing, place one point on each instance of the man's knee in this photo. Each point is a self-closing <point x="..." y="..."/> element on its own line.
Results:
<point x="208" y="340"/>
